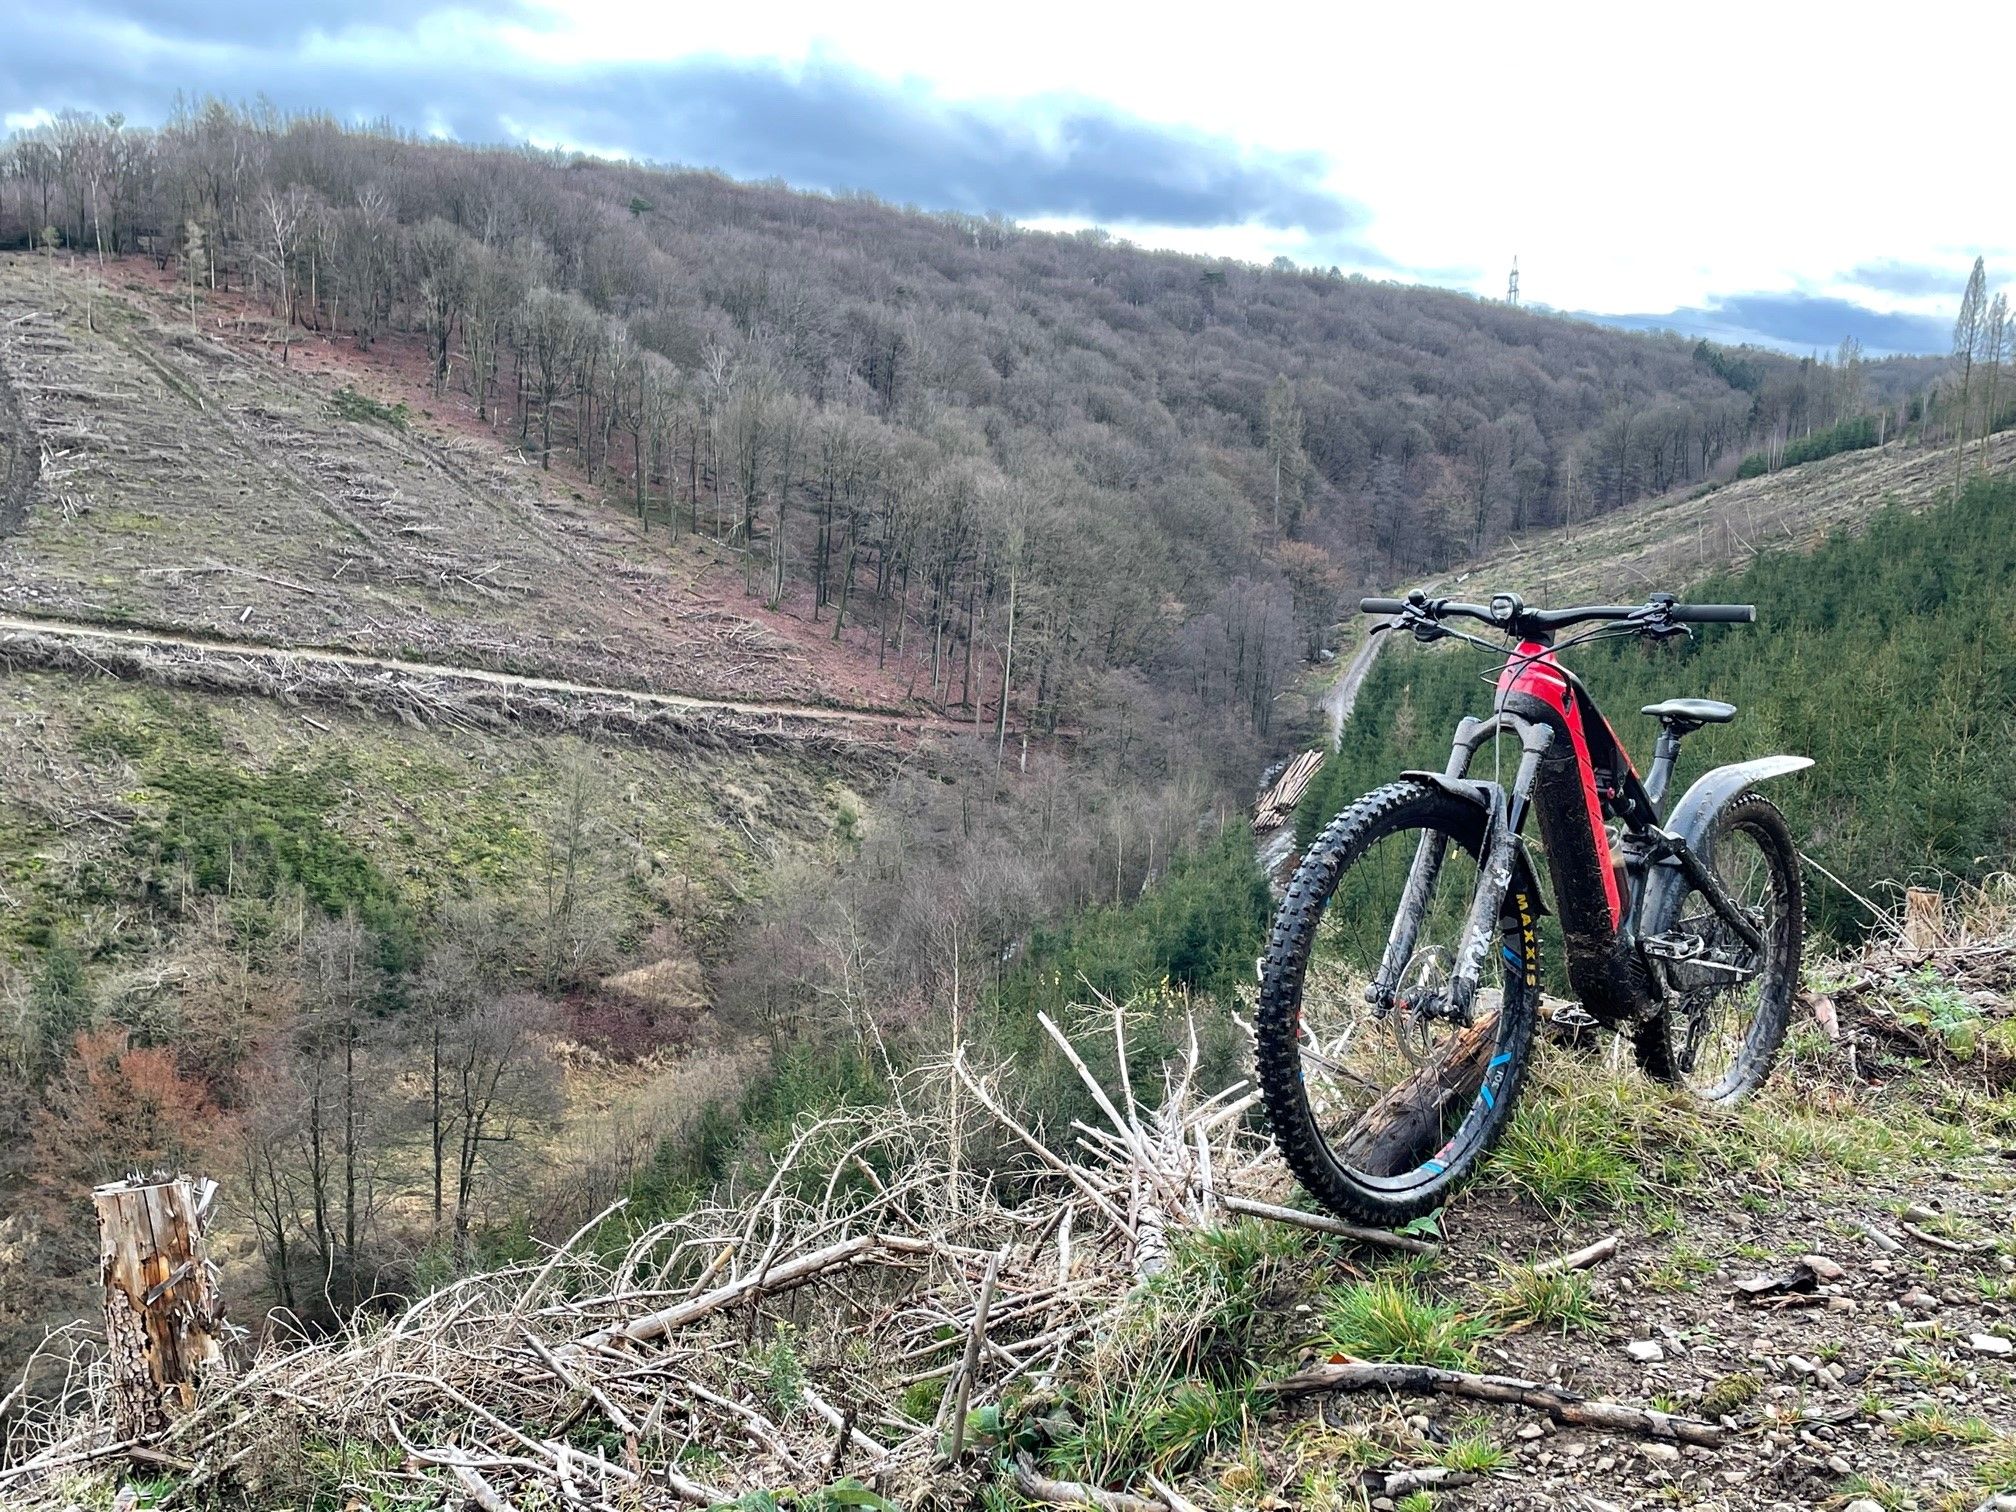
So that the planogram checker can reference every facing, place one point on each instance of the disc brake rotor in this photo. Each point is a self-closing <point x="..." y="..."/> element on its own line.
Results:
<point x="1418" y="1003"/>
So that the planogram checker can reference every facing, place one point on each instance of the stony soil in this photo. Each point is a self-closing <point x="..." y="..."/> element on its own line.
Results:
<point x="1840" y="1377"/>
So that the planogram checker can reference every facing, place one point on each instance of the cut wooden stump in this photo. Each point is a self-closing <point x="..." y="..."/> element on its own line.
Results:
<point x="164" y="1320"/>
<point x="1924" y="919"/>
<point x="1408" y="1124"/>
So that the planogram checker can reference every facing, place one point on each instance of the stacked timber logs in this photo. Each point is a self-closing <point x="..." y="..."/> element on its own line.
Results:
<point x="1278" y="802"/>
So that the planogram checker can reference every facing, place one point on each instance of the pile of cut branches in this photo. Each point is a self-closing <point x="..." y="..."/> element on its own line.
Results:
<point x="1936" y="988"/>
<point x="847" y="1324"/>
<point x="856" y="1326"/>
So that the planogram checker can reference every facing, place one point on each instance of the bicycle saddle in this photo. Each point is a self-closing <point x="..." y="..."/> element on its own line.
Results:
<point x="1692" y="710"/>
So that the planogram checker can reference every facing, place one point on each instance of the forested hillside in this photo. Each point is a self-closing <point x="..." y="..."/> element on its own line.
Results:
<point x="1890" y="658"/>
<point x="529" y="681"/>
<point x="1056" y="455"/>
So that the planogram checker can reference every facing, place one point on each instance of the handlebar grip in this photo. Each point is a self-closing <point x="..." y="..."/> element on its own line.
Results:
<point x="1381" y="605"/>
<point x="1715" y="614"/>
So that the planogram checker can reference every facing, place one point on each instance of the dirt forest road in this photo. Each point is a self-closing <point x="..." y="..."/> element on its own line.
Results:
<point x="393" y="667"/>
<point x="1342" y="695"/>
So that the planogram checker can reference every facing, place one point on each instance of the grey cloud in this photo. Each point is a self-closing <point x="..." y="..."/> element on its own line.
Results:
<point x="1894" y="277"/>
<point x="823" y="127"/>
<point x="1798" y="323"/>
<point x="281" y="21"/>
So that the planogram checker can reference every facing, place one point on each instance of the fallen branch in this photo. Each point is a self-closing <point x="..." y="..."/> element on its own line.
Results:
<point x="1039" y="1487"/>
<point x="1581" y="1259"/>
<point x="961" y="1392"/>
<point x="1396" y="1484"/>
<point x="1318" y="1223"/>
<point x="761" y="1284"/>
<point x="1951" y="1246"/>
<point x="480" y="1491"/>
<point x="1556" y="1401"/>
<point x="1175" y="1500"/>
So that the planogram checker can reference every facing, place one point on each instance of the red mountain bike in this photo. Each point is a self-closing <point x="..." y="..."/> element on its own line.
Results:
<point x="1401" y="983"/>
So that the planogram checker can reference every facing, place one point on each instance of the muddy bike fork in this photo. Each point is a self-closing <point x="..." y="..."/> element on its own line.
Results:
<point x="1498" y="854"/>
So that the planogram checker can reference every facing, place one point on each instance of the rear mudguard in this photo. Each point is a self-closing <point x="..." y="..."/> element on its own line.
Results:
<point x="1472" y="790"/>
<point x="1693" y="819"/>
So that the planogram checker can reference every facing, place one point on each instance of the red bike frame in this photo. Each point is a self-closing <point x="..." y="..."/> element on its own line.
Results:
<point x="1533" y="674"/>
<point x="1574" y="772"/>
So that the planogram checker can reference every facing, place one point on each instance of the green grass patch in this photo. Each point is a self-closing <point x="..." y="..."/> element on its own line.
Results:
<point x="347" y="404"/>
<point x="1680" y="1269"/>
<point x="1525" y="1297"/>
<point x="1996" y="1470"/>
<point x="1387" y="1319"/>
<point x="1934" y="1425"/>
<point x="1470" y="1453"/>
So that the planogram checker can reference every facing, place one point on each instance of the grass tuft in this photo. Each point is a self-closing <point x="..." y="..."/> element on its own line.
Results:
<point x="1934" y="1425"/>
<point x="1997" y="1469"/>
<point x="1388" y="1320"/>
<point x="1562" y="1299"/>
<point x="1472" y="1454"/>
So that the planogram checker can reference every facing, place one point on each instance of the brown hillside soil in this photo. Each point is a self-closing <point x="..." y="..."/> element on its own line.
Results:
<point x="192" y="482"/>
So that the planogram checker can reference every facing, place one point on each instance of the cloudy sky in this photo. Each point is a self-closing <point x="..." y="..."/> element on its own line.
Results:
<point x="1741" y="171"/>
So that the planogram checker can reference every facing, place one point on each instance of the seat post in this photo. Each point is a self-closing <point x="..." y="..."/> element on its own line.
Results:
<point x="1665" y="753"/>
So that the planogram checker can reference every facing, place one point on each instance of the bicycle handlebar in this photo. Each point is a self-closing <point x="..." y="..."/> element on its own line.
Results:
<point x="1508" y="612"/>
<point x="1714" y="614"/>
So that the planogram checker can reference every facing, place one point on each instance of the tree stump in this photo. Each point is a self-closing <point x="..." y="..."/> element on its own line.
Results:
<point x="164" y="1319"/>
<point x="1924" y="919"/>
<point x="1409" y="1123"/>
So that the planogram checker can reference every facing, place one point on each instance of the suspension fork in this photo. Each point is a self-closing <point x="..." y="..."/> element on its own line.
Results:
<point x="1505" y="816"/>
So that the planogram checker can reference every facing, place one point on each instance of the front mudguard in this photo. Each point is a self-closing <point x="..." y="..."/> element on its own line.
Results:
<point x="1490" y="798"/>
<point x="1693" y="819"/>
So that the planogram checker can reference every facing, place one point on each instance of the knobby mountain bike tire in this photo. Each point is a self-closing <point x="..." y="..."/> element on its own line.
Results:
<point x="1720" y="1040"/>
<point x="1320" y="1135"/>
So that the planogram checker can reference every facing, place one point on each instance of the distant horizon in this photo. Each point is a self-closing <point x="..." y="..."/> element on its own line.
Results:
<point x="1243" y="149"/>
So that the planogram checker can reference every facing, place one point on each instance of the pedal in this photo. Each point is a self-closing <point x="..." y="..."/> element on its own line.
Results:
<point x="1574" y="1016"/>
<point x="1673" y="947"/>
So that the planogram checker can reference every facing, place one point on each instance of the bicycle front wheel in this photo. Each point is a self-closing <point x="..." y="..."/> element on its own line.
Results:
<point x="1380" y="1112"/>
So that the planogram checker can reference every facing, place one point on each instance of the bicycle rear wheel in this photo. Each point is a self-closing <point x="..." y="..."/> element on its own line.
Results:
<point x="1721" y="1035"/>
<point x="1381" y="1113"/>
